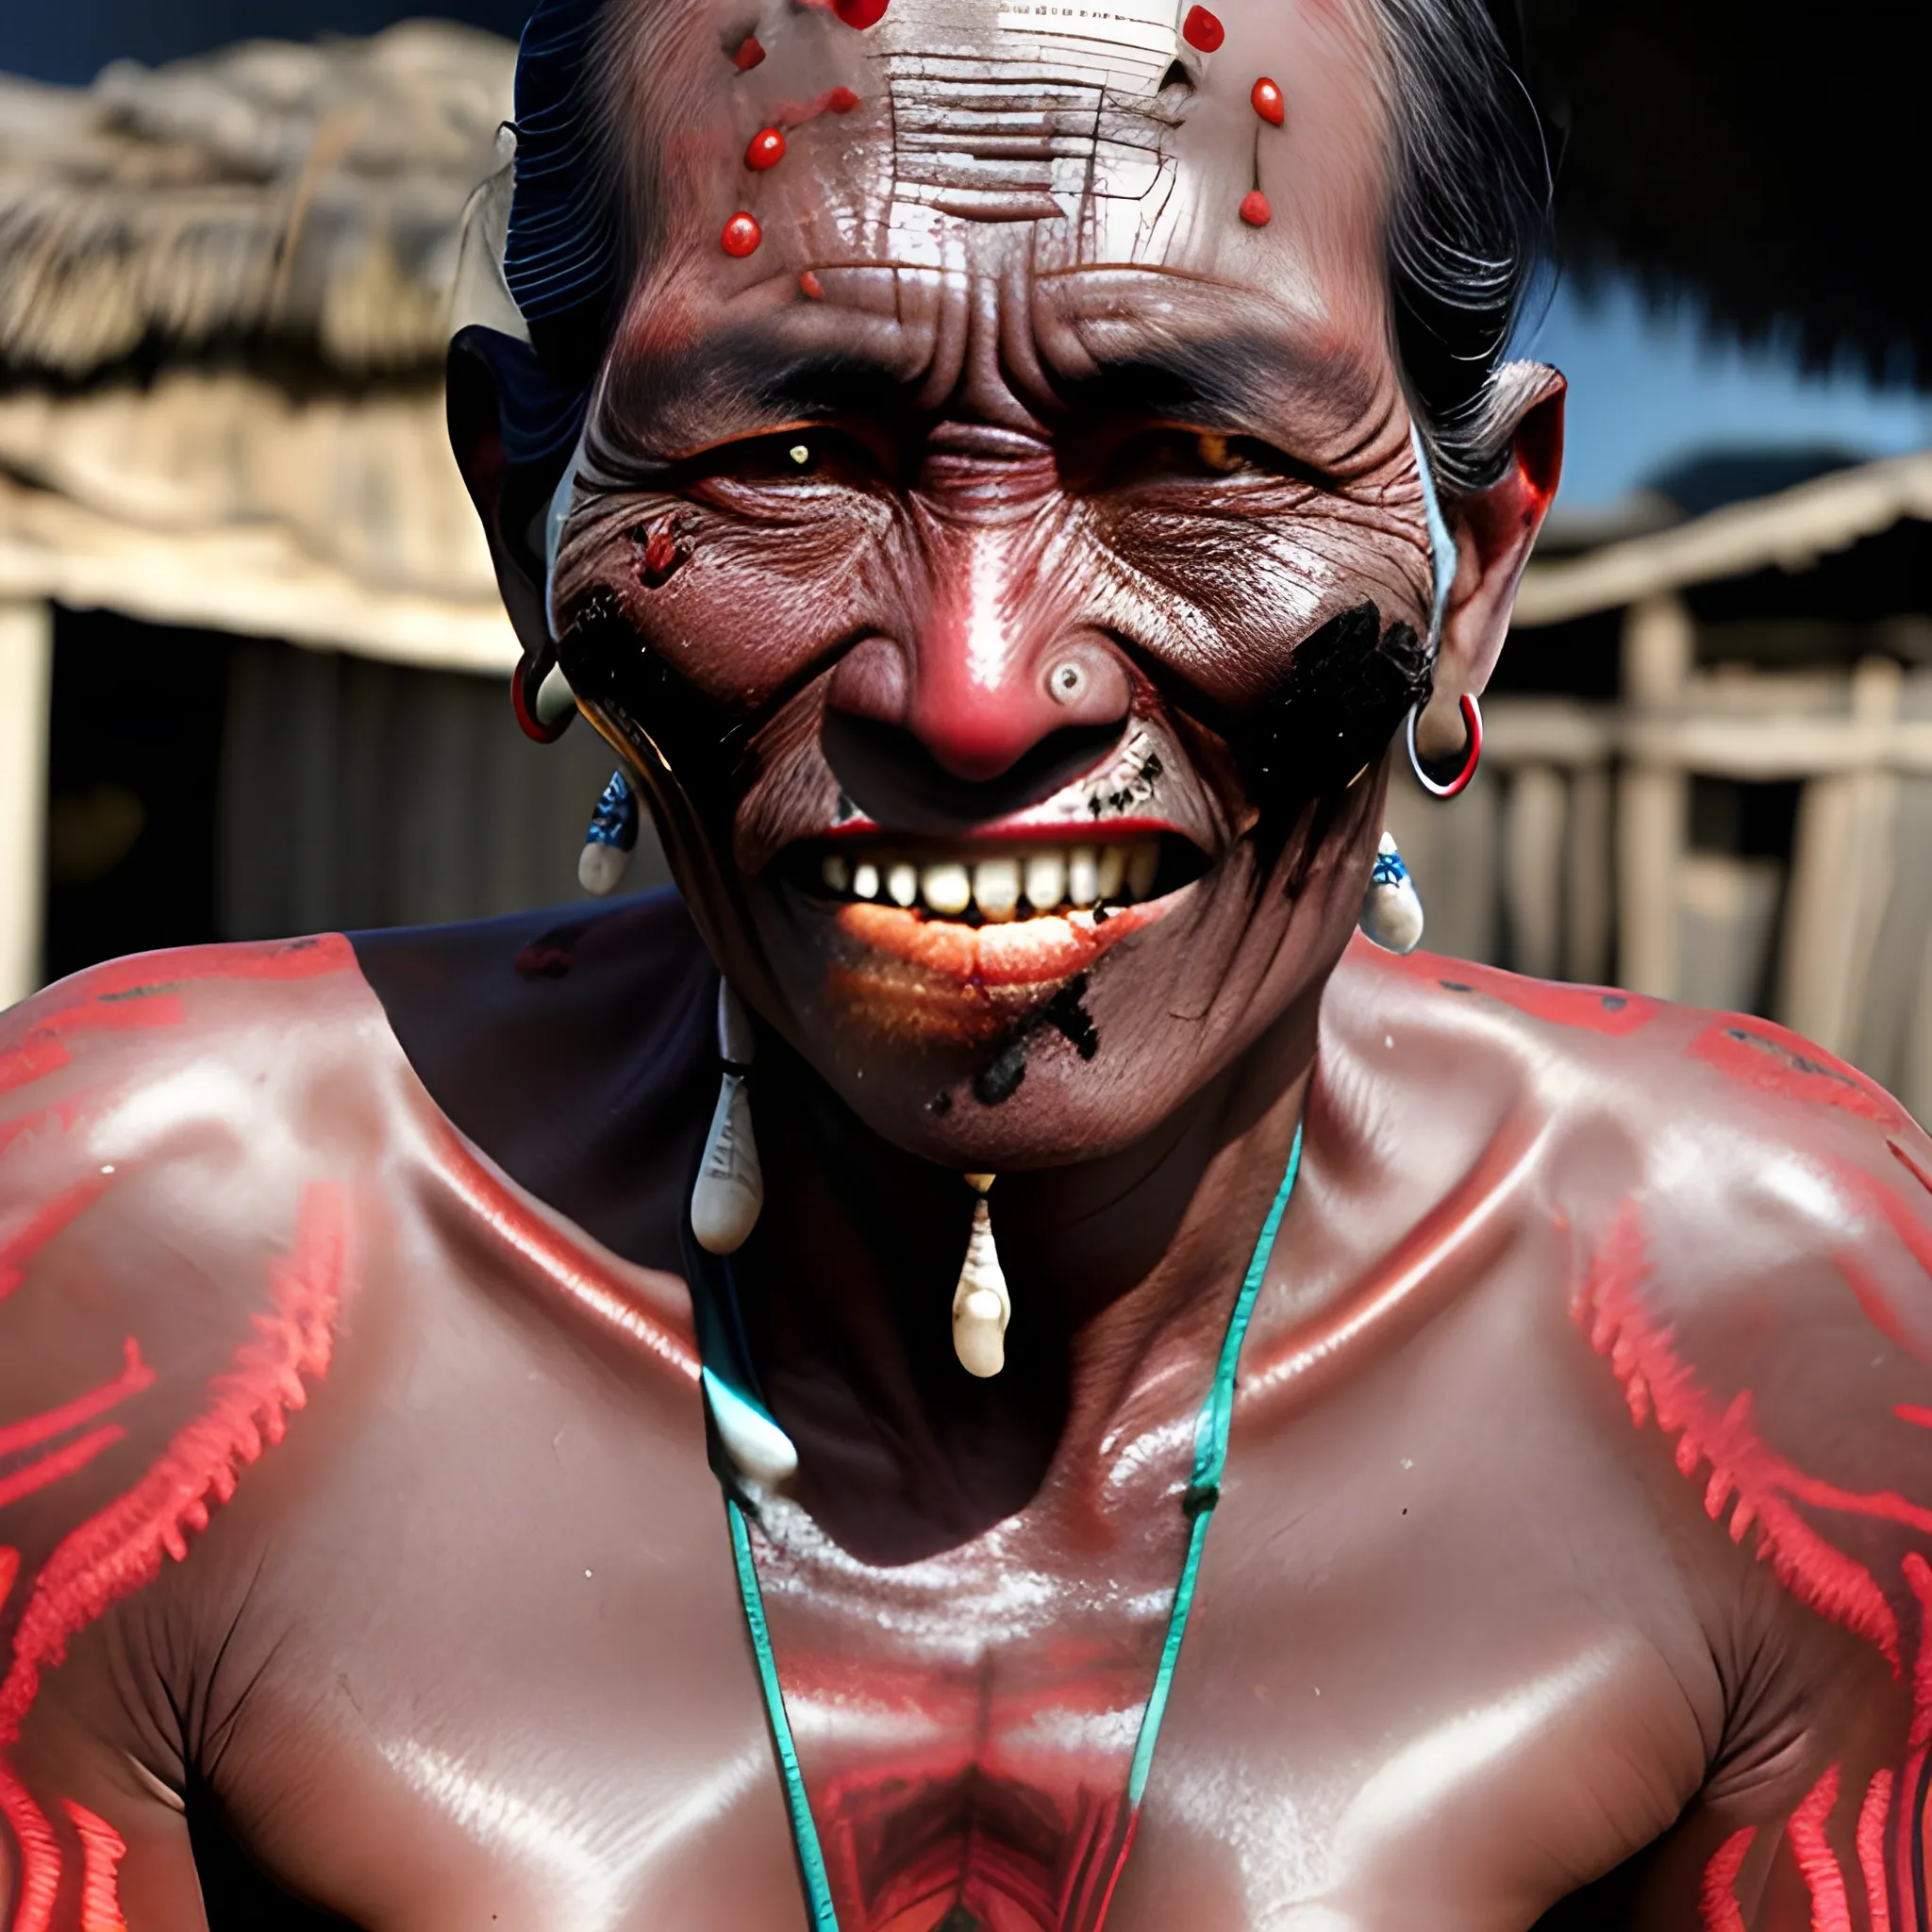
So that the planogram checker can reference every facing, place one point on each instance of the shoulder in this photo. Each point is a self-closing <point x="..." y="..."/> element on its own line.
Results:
<point x="1745" y="1231"/>
<point x="180" y="1134"/>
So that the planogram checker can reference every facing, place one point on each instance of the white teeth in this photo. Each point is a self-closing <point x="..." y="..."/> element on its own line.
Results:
<point x="1072" y="881"/>
<point x="996" y="888"/>
<point x="946" y="887"/>
<point x="1046" y="880"/>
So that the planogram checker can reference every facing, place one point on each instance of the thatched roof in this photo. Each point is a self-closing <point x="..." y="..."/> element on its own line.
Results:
<point x="305" y="198"/>
<point x="1770" y="157"/>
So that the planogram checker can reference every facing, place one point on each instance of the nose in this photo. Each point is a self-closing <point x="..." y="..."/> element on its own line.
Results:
<point x="990" y="678"/>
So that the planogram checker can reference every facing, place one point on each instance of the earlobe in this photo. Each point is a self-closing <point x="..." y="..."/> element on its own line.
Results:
<point x="1496" y="529"/>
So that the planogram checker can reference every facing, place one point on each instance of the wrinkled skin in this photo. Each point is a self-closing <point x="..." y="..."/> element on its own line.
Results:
<point x="356" y="1522"/>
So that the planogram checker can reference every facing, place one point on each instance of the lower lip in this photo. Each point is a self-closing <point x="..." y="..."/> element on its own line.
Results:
<point x="1028" y="952"/>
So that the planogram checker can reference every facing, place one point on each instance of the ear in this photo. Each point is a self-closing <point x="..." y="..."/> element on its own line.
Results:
<point x="1495" y="528"/>
<point x="510" y="500"/>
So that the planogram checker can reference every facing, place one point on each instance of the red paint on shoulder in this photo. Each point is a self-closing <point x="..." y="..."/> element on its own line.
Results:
<point x="122" y="1547"/>
<point x="1910" y="1162"/>
<point x="134" y="1377"/>
<point x="1717" y="1897"/>
<point x="33" y="1059"/>
<point x="1762" y="1055"/>
<point x="1874" y="1817"/>
<point x="58" y="1463"/>
<point x="102" y="1848"/>
<point x="1203" y="29"/>
<point x="1818" y="1865"/>
<point x="117" y="1012"/>
<point x="26" y="1240"/>
<point x="1593" y="1008"/>
<point x="9" y="1568"/>
<point x="1767" y="1488"/>
<point x="277" y="959"/>
<point x="37" y="1851"/>
<point x="58" y="1118"/>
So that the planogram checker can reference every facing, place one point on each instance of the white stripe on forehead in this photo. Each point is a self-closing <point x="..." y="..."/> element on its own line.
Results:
<point x="1041" y="130"/>
<point x="1128" y="44"/>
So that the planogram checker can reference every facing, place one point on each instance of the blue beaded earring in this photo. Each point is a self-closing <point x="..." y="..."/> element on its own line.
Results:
<point x="611" y="838"/>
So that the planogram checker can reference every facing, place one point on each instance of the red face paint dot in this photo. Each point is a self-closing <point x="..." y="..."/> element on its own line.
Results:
<point x="767" y="149"/>
<point x="809" y="285"/>
<point x="1268" y="102"/>
<point x="749" y="54"/>
<point x="860" y="13"/>
<point x="1203" y="29"/>
<point x="841" y="100"/>
<point x="1255" y="210"/>
<point x="742" y="234"/>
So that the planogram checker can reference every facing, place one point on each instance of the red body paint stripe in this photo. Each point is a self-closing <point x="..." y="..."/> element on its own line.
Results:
<point x="130" y="1013"/>
<point x="134" y="1376"/>
<point x="122" y="1548"/>
<point x="1717" y="1897"/>
<point x="1831" y="1909"/>
<point x="1657" y="1383"/>
<point x="1873" y="1816"/>
<point x="38" y="1887"/>
<point x="1761" y="1055"/>
<point x="1593" y="1008"/>
<point x="280" y="959"/>
<point x="32" y="1060"/>
<point x="1911" y="1412"/>
<point x="40" y="1228"/>
<point x="60" y="1462"/>
<point x="102" y="1849"/>
<point x="9" y="1568"/>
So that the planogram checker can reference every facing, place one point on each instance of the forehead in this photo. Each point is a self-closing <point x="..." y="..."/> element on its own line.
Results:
<point x="1029" y="155"/>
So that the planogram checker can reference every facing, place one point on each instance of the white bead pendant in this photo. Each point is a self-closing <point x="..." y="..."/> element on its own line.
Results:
<point x="730" y="1190"/>
<point x="1391" y="910"/>
<point x="981" y="1305"/>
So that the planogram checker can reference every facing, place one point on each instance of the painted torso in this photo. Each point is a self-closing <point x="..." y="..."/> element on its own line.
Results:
<point x="1578" y="1487"/>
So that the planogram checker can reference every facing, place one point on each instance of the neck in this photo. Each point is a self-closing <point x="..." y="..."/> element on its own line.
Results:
<point x="1123" y="1271"/>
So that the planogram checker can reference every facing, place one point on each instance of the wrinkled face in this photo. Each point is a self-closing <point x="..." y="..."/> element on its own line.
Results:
<point x="997" y="539"/>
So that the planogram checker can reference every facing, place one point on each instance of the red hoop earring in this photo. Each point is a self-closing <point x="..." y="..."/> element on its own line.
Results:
<point x="1471" y="753"/>
<point x="526" y="700"/>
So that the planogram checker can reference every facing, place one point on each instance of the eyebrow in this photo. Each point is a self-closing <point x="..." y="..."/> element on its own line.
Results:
<point x="750" y="382"/>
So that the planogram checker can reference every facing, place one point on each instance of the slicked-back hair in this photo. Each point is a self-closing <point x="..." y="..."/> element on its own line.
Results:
<point x="1467" y="235"/>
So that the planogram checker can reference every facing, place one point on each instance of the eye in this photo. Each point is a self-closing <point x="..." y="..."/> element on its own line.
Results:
<point x="793" y="456"/>
<point x="1196" y="456"/>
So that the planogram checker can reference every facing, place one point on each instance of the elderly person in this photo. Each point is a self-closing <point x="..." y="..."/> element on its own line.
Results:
<point x="984" y="1369"/>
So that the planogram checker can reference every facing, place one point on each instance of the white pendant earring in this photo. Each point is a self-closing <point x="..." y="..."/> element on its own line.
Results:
<point x="1391" y="910"/>
<point x="730" y="1187"/>
<point x="981" y="1305"/>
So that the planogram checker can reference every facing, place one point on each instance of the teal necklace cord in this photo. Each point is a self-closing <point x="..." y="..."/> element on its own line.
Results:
<point x="1197" y="1501"/>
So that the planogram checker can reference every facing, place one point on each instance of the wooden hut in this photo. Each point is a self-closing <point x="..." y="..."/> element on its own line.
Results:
<point x="250" y="652"/>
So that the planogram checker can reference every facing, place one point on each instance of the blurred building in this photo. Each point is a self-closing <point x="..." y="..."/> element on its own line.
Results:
<point x="1709" y="769"/>
<point x="252" y="653"/>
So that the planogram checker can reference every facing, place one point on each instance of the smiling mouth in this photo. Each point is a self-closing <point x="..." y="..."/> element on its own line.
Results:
<point x="998" y="884"/>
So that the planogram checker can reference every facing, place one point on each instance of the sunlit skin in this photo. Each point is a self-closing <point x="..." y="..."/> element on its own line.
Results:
<point x="1570" y="1569"/>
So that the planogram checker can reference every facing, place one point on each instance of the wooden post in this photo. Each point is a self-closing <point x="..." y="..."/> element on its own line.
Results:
<point x="26" y="676"/>
<point x="1841" y="869"/>
<point x="1653" y="801"/>
<point x="1590" y="870"/>
<point x="1535" y="819"/>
